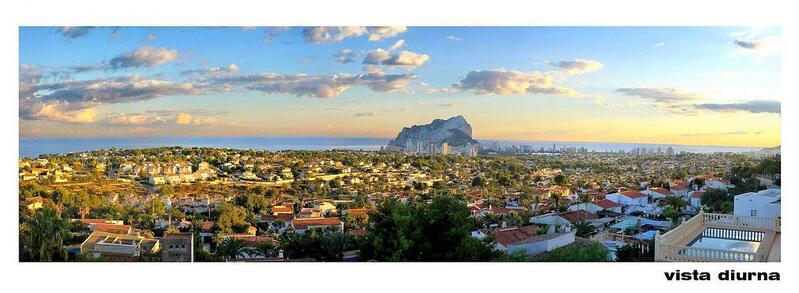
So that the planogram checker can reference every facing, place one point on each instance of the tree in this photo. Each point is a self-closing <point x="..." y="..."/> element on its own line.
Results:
<point x="583" y="229"/>
<point x="594" y="252"/>
<point x="43" y="236"/>
<point x="230" y="248"/>
<point x="715" y="198"/>
<point x="232" y="218"/>
<point x="438" y="231"/>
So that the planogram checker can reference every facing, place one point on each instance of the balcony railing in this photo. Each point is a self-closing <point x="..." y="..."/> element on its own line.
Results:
<point x="673" y="245"/>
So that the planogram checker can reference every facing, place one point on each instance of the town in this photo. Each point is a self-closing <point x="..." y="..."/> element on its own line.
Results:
<point x="499" y="204"/>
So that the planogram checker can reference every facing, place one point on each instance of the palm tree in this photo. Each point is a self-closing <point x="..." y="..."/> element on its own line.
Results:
<point x="44" y="235"/>
<point x="265" y="249"/>
<point x="230" y="248"/>
<point x="583" y="228"/>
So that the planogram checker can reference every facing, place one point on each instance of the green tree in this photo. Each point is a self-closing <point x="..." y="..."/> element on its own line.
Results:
<point x="583" y="229"/>
<point x="594" y="252"/>
<point x="43" y="236"/>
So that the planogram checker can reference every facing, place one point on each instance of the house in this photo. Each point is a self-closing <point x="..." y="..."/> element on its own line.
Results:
<point x="628" y="198"/>
<point x="110" y="228"/>
<point x="696" y="198"/>
<point x="679" y="188"/>
<point x="119" y="247"/>
<point x="657" y="193"/>
<point x="177" y="247"/>
<point x="722" y="184"/>
<point x="764" y="204"/>
<point x="526" y="239"/>
<point x="304" y="225"/>
<point x="278" y="223"/>
<point x="594" y="207"/>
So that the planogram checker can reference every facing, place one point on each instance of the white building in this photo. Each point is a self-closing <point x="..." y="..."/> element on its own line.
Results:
<point x="764" y="203"/>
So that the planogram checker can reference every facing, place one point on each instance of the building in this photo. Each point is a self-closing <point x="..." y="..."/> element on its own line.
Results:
<point x="628" y="198"/>
<point x="721" y="238"/>
<point x="764" y="203"/>
<point x="178" y="247"/>
<point x="526" y="239"/>
<point x="304" y="225"/>
<point x="118" y="247"/>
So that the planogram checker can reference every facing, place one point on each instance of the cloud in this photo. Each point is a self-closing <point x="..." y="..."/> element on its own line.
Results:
<point x="737" y="132"/>
<point x="143" y="57"/>
<point x="449" y="105"/>
<point x="345" y="56"/>
<point x="61" y="111"/>
<point x="406" y="58"/>
<point x="662" y="95"/>
<point x="398" y="44"/>
<point x="758" y="106"/>
<point x="752" y="45"/>
<point x="758" y="46"/>
<point x="212" y="70"/>
<point x="377" y="33"/>
<point x="686" y="102"/>
<point x="320" y="86"/>
<point x="377" y="56"/>
<point x="381" y="113"/>
<point x="323" y="35"/>
<point x="577" y="66"/>
<point x="75" y="101"/>
<point x="163" y="118"/>
<point x="659" y="45"/>
<point x="74" y="32"/>
<point x="453" y="38"/>
<point x="506" y="82"/>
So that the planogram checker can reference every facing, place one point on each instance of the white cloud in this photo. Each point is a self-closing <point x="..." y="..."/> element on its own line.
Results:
<point x="507" y="82"/>
<point x="323" y="35"/>
<point x="74" y="32"/>
<point x="453" y="38"/>
<point x="143" y="57"/>
<point x="577" y="66"/>
<point x="378" y="33"/>
<point x="407" y="58"/>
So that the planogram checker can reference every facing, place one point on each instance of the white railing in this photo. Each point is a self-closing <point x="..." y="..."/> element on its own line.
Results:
<point x="740" y="222"/>
<point x="671" y="245"/>
<point x="693" y="254"/>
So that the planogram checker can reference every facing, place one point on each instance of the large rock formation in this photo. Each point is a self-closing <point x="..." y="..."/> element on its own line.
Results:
<point x="454" y="131"/>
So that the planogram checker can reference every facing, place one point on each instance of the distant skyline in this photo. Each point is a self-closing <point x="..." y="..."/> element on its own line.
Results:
<point x="662" y="85"/>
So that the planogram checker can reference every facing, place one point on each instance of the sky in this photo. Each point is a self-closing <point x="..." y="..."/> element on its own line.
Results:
<point x="665" y="85"/>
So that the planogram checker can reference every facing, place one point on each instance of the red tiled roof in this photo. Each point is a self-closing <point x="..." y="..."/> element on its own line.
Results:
<point x="282" y="209"/>
<point x="606" y="204"/>
<point x="282" y="217"/>
<point x="510" y="235"/>
<point x="357" y="212"/>
<point x="92" y="221"/>
<point x="633" y="194"/>
<point x="112" y="228"/>
<point x="305" y="223"/>
<point x="207" y="225"/>
<point x="662" y="191"/>
<point x="251" y="240"/>
<point x="697" y="194"/>
<point x="574" y="216"/>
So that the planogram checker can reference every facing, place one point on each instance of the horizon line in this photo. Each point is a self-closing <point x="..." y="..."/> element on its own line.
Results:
<point x="389" y="138"/>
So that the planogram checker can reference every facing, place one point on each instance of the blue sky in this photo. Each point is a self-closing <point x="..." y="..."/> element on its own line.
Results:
<point x="689" y="85"/>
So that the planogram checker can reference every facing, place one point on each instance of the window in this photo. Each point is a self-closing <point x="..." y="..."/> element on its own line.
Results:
<point x="754" y="213"/>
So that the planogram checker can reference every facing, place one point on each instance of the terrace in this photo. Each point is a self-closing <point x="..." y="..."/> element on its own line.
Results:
<point x="711" y="237"/>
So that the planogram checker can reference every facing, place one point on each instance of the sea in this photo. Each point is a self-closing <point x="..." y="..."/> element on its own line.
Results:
<point x="35" y="146"/>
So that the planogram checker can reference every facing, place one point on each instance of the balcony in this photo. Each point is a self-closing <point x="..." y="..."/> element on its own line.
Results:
<point x="721" y="238"/>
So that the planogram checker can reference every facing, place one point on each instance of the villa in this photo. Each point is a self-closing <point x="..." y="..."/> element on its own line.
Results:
<point x="721" y="238"/>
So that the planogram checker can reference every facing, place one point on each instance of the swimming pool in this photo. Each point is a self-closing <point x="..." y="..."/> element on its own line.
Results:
<point x="726" y="239"/>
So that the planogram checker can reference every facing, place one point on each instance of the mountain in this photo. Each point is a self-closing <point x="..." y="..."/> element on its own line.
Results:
<point x="454" y="131"/>
<point x="771" y="150"/>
